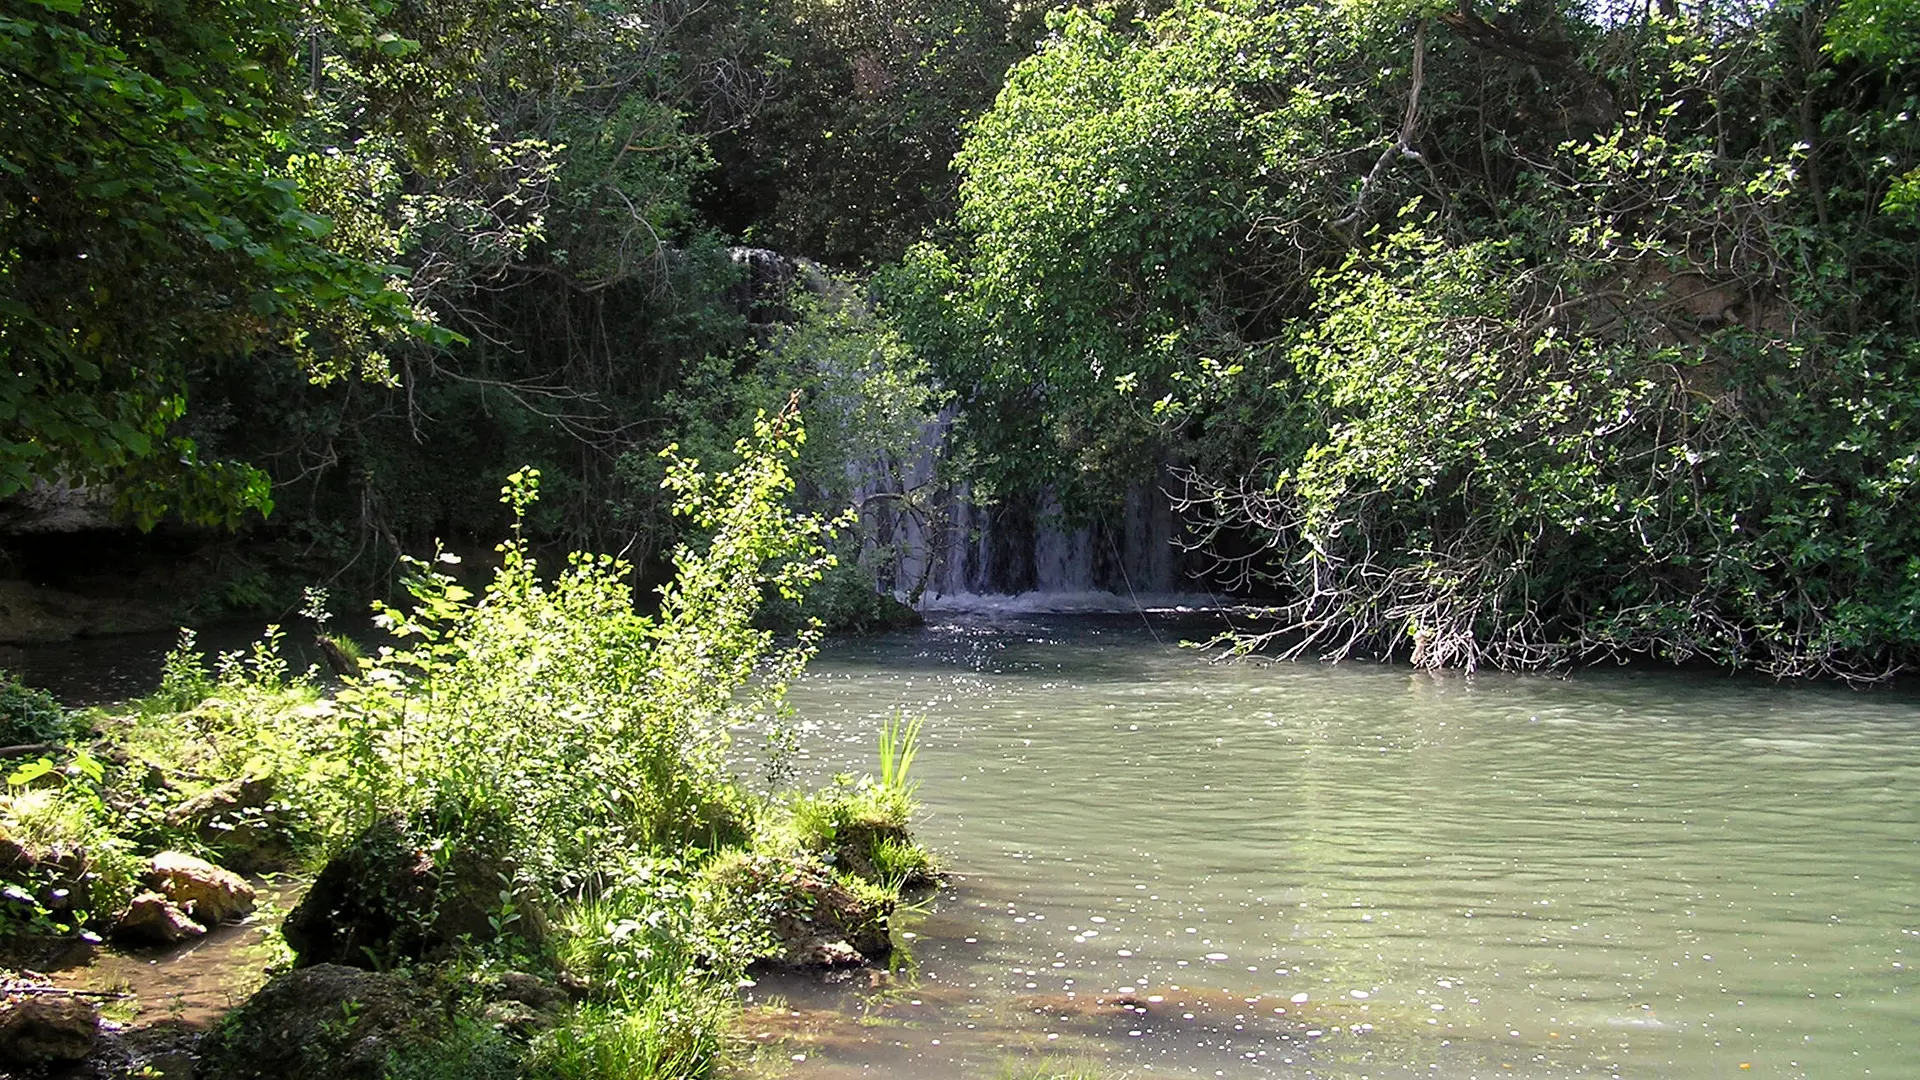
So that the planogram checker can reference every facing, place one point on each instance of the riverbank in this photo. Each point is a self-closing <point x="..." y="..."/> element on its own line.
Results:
<point x="529" y="853"/>
<point x="243" y="765"/>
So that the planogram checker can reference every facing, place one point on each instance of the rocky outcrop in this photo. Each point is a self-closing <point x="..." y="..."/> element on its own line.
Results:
<point x="205" y="891"/>
<point x="48" y="1029"/>
<point x="326" y="1022"/>
<point x="57" y="509"/>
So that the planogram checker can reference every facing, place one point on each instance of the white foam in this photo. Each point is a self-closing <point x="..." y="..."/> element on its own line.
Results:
<point x="1077" y="602"/>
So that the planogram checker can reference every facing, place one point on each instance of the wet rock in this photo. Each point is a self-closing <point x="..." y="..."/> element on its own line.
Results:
<point x="152" y="919"/>
<point x="48" y="1029"/>
<point x="813" y="918"/>
<point x="325" y="1022"/>
<point x="205" y="891"/>
<point x="386" y="899"/>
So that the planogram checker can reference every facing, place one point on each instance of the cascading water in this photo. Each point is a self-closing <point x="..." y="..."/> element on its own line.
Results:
<point x="934" y="544"/>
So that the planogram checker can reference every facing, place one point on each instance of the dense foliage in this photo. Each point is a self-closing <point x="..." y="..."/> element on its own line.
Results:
<point x="148" y="218"/>
<point x="1510" y="333"/>
<point x="559" y="760"/>
<point x="361" y="257"/>
<point x="1490" y="335"/>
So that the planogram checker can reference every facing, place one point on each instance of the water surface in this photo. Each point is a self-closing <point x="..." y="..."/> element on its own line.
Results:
<point x="1181" y="868"/>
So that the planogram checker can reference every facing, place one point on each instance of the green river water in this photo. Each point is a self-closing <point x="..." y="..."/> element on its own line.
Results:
<point x="1177" y="868"/>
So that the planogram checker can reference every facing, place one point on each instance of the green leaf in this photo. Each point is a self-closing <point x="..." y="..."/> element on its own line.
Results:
<point x="28" y="773"/>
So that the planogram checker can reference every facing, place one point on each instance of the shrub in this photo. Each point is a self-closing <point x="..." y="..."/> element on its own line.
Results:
<point x="67" y="869"/>
<point x="29" y="715"/>
<point x="595" y="730"/>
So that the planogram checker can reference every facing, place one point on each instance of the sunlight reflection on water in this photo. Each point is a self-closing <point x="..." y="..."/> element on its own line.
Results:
<point x="1297" y="870"/>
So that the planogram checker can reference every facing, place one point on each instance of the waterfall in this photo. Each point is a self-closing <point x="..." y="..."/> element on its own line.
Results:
<point x="932" y="541"/>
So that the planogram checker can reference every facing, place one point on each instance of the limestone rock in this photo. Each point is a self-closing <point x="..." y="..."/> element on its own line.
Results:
<point x="48" y="1030"/>
<point x="325" y="1022"/>
<point x="152" y="919"/>
<point x="207" y="892"/>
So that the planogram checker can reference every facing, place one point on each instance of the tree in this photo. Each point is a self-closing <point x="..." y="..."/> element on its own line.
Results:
<point x="147" y="221"/>
<point x="1491" y="337"/>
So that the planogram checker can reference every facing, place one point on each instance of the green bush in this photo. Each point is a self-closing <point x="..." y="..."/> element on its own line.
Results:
<point x="595" y="730"/>
<point x="677" y="1033"/>
<point x="29" y="715"/>
<point x="73" y="870"/>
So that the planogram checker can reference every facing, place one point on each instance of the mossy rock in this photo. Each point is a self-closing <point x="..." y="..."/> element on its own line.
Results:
<point x="857" y="848"/>
<point x="240" y="822"/>
<point x="326" y="1022"/>
<point x="801" y="912"/>
<point x="388" y="898"/>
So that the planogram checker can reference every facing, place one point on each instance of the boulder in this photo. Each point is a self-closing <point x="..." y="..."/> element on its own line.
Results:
<point x="205" y="891"/>
<point x="152" y="919"/>
<point x="325" y="1022"/>
<point x="386" y="899"/>
<point x="222" y="800"/>
<point x="239" y="820"/>
<point x="48" y="1029"/>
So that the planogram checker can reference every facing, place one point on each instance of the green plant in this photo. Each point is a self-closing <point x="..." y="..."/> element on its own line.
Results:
<point x="675" y="1034"/>
<point x="184" y="678"/>
<point x="29" y="714"/>
<point x="899" y="862"/>
<point x="595" y="730"/>
<point x="73" y="871"/>
<point x="469" y="1049"/>
<point x="899" y="743"/>
<point x="860" y="829"/>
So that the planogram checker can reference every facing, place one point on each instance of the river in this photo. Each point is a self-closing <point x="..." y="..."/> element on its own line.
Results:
<point x="1173" y="867"/>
